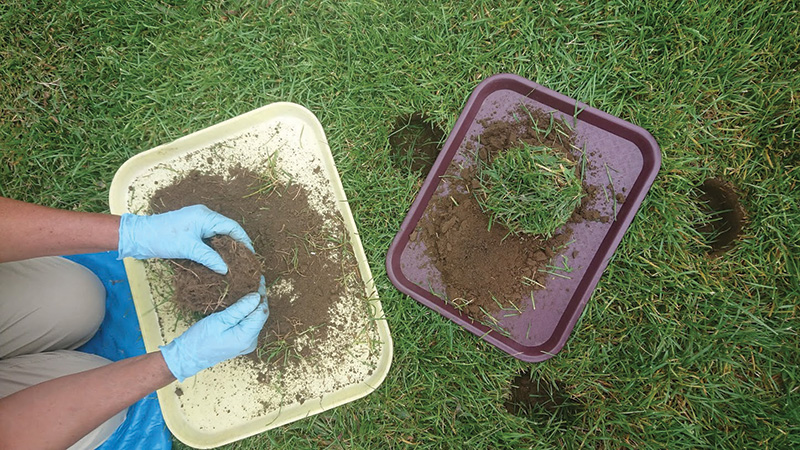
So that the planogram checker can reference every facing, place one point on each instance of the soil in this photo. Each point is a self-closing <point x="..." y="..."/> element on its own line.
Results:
<point x="720" y="202"/>
<point x="486" y="269"/>
<point x="201" y="290"/>
<point x="302" y="259"/>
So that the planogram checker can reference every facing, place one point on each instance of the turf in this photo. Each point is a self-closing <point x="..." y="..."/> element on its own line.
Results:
<point x="674" y="350"/>
<point x="517" y="182"/>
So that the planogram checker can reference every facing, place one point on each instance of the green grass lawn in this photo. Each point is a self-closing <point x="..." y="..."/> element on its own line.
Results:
<point x="674" y="350"/>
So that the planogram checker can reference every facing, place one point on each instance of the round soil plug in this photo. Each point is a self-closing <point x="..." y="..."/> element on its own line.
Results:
<point x="199" y="289"/>
<point x="720" y="202"/>
<point x="415" y="143"/>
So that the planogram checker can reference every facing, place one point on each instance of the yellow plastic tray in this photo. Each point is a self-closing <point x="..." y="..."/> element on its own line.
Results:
<point x="227" y="402"/>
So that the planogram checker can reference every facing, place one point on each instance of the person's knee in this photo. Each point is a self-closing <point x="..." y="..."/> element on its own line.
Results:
<point x="48" y="304"/>
<point x="80" y="307"/>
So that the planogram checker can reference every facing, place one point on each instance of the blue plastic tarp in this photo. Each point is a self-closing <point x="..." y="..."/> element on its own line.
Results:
<point x="119" y="337"/>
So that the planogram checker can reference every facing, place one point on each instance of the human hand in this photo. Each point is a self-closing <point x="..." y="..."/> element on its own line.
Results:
<point x="218" y="337"/>
<point x="178" y="234"/>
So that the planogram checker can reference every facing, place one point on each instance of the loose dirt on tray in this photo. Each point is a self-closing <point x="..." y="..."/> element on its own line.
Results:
<point x="488" y="268"/>
<point x="303" y="260"/>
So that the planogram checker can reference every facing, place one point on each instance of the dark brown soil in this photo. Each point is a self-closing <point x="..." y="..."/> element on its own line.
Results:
<point x="720" y="202"/>
<point x="415" y="143"/>
<point x="485" y="269"/>
<point x="199" y="289"/>
<point x="303" y="271"/>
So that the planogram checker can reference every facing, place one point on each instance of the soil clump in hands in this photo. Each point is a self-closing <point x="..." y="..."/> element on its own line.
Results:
<point x="199" y="289"/>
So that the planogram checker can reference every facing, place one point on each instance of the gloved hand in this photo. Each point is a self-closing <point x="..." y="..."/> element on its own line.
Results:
<point x="178" y="234"/>
<point x="218" y="337"/>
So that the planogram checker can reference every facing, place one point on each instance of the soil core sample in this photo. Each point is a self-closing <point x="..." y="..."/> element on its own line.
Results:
<point x="485" y="266"/>
<point x="199" y="289"/>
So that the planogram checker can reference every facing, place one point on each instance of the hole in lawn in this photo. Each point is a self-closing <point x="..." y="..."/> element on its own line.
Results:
<point x="720" y="202"/>
<point x="531" y="398"/>
<point x="415" y="143"/>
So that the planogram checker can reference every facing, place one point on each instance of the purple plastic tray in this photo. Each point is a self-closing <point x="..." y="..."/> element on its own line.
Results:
<point x="537" y="334"/>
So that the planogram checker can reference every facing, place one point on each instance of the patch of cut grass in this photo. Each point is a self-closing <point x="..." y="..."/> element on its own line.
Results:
<point x="530" y="189"/>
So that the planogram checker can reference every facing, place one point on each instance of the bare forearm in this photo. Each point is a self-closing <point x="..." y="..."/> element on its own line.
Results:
<point x="57" y="413"/>
<point x="31" y="230"/>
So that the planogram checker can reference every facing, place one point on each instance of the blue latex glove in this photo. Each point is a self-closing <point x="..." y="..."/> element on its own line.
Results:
<point x="178" y="234"/>
<point x="218" y="337"/>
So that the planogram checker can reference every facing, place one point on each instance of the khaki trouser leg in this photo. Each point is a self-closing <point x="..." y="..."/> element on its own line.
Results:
<point x="48" y="307"/>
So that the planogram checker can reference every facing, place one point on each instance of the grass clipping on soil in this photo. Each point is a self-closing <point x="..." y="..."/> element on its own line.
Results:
<point x="487" y="260"/>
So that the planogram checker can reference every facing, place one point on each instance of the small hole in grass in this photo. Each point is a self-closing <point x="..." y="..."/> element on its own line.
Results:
<point x="415" y="143"/>
<point x="720" y="202"/>
<point x="538" y="398"/>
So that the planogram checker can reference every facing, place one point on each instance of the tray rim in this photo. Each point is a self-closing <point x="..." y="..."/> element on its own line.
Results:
<point x="641" y="138"/>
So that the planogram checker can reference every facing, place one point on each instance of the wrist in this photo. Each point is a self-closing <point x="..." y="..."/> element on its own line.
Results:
<point x="127" y="243"/>
<point x="160" y="368"/>
<point x="174" y="361"/>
